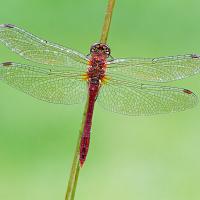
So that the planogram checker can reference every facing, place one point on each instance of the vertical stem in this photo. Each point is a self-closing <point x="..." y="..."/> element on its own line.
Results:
<point x="71" y="189"/>
<point x="107" y="21"/>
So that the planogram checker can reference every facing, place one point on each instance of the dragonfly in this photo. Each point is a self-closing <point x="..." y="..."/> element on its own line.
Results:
<point x="61" y="75"/>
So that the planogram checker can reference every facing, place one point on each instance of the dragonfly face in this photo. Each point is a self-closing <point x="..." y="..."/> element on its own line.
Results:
<point x="100" y="48"/>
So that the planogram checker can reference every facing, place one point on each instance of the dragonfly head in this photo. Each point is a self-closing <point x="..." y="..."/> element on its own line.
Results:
<point x="100" y="48"/>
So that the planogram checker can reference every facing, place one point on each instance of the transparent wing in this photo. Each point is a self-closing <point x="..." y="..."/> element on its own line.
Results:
<point x="162" y="69"/>
<point x="143" y="99"/>
<point x="45" y="84"/>
<point x="38" y="50"/>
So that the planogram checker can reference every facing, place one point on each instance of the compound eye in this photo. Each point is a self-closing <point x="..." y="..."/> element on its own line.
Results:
<point x="93" y="49"/>
<point x="107" y="51"/>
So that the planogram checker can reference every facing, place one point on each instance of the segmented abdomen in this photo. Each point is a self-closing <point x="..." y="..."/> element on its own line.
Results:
<point x="85" y="140"/>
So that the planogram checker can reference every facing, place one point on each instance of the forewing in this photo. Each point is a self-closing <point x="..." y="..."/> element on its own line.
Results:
<point x="143" y="99"/>
<point x="39" y="50"/>
<point x="45" y="84"/>
<point x="162" y="69"/>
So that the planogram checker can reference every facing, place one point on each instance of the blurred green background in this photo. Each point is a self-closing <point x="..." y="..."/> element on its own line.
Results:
<point x="143" y="158"/>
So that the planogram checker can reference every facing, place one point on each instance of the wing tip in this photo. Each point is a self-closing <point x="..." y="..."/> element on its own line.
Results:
<point x="187" y="91"/>
<point x="6" y="64"/>
<point x="193" y="95"/>
<point x="195" y="56"/>
<point x="7" y="26"/>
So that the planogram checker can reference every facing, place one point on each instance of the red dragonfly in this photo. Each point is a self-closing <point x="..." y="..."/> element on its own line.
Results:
<point x="65" y="76"/>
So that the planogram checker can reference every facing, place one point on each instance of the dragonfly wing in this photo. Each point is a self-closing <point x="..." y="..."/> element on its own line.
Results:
<point x="45" y="84"/>
<point x="39" y="50"/>
<point x="162" y="69"/>
<point x="144" y="99"/>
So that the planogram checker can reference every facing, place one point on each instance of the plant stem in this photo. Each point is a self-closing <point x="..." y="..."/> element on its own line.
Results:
<point x="71" y="189"/>
<point x="107" y="21"/>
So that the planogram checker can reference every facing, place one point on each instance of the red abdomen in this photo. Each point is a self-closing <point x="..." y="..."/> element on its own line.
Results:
<point x="85" y="140"/>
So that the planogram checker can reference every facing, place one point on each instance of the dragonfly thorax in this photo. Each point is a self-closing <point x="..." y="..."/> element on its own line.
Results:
<point x="95" y="73"/>
<point x="98" y="61"/>
<point x="97" y="64"/>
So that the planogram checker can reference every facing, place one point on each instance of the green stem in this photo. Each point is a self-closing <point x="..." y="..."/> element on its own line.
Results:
<point x="107" y="21"/>
<point x="71" y="189"/>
